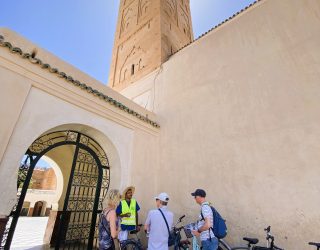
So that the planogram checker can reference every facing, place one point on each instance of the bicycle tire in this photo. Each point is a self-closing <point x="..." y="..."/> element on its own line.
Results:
<point x="131" y="245"/>
<point x="241" y="247"/>
<point x="182" y="248"/>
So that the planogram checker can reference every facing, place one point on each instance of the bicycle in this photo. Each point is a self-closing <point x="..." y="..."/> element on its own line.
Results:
<point x="133" y="243"/>
<point x="315" y="244"/>
<point x="179" y="243"/>
<point x="223" y="245"/>
<point x="270" y="242"/>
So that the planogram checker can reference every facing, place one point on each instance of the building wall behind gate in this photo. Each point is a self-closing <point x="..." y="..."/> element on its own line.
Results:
<point x="239" y="114"/>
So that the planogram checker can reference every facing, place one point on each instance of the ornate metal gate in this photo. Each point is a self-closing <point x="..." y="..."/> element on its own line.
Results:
<point x="88" y="183"/>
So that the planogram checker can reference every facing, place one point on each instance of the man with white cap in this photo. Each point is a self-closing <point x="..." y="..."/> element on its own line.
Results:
<point x="156" y="226"/>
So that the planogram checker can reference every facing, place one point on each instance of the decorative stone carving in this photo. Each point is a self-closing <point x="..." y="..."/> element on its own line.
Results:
<point x="184" y="22"/>
<point x="171" y="9"/>
<point x="129" y="18"/>
<point x="153" y="25"/>
<point x="143" y="7"/>
<point x="133" y="63"/>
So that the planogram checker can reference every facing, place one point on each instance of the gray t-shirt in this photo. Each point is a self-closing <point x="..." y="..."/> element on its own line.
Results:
<point x="158" y="232"/>
<point x="206" y="212"/>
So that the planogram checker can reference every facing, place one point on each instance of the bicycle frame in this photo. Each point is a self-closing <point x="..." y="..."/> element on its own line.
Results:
<point x="228" y="247"/>
<point x="135" y="240"/>
<point x="317" y="245"/>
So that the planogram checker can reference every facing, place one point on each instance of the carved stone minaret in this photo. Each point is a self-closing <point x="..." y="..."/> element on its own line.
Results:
<point x="148" y="32"/>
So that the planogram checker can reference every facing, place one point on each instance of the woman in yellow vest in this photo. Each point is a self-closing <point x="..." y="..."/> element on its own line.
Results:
<point x="127" y="210"/>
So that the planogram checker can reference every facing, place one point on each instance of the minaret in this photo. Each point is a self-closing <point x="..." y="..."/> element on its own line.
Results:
<point x="148" y="32"/>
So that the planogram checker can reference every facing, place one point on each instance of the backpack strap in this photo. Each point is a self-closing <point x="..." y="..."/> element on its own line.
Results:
<point x="102" y="214"/>
<point x="165" y="220"/>
<point x="204" y="219"/>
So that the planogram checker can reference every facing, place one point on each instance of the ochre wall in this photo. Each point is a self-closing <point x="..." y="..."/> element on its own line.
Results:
<point x="239" y="114"/>
<point x="148" y="32"/>
<point x="43" y="179"/>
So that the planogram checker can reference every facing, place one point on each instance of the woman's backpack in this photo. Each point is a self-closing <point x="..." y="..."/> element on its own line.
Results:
<point x="105" y="238"/>
<point x="219" y="224"/>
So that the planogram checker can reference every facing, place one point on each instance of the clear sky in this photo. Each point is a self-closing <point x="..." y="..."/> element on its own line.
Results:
<point x="81" y="32"/>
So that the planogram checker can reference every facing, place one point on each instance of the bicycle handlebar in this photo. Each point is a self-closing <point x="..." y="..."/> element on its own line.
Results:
<point x="268" y="229"/>
<point x="179" y="220"/>
<point x="179" y="228"/>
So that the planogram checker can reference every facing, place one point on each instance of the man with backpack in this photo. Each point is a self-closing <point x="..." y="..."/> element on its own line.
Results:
<point x="205" y="223"/>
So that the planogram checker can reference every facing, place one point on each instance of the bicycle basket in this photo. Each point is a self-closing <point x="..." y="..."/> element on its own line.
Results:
<point x="187" y="229"/>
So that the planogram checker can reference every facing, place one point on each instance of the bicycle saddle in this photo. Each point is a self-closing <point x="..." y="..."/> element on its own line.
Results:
<point x="314" y="244"/>
<point x="251" y="240"/>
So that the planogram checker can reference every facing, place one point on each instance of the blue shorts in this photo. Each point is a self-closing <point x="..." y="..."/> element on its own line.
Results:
<point x="210" y="244"/>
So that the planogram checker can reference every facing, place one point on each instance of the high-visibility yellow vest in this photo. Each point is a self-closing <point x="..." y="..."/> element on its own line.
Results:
<point x="126" y="209"/>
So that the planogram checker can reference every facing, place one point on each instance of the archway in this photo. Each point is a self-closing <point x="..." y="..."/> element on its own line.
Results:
<point x="87" y="183"/>
<point x="37" y="209"/>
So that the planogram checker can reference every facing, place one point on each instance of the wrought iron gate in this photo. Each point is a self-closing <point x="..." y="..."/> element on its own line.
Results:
<point x="88" y="183"/>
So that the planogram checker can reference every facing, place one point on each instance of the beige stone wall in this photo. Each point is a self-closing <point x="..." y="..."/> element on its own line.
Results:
<point x="44" y="178"/>
<point x="148" y="32"/>
<point x="17" y="85"/>
<point x="239" y="114"/>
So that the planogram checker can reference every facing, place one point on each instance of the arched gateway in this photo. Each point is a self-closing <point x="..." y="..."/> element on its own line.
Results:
<point x="76" y="224"/>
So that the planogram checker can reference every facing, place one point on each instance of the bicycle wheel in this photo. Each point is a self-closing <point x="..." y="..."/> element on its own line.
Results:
<point x="183" y="247"/>
<point x="131" y="245"/>
<point x="238" y="248"/>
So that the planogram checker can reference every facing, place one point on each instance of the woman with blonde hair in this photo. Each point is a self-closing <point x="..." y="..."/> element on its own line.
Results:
<point x="108" y="220"/>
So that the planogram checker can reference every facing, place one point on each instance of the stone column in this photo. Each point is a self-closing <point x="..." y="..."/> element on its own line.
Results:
<point x="50" y="227"/>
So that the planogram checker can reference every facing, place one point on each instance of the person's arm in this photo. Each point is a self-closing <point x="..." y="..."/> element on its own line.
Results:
<point x="207" y="214"/>
<point x="119" y="211"/>
<point x="206" y="226"/>
<point x="147" y="223"/>
<point x="137" y="217"/>
<point x="113" y="223"/>
<point x="170" y="222"/>
<point x="137" y="223"/>
<point x="125" y="215"/>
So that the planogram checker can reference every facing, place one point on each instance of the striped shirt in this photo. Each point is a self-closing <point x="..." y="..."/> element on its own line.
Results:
<point x="207" y="213"/>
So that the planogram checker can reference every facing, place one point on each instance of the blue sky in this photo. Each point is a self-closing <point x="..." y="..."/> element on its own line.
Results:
<point x="81" y="32"/>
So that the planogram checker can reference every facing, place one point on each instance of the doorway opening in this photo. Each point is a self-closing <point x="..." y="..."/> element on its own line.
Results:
<point x="72" y="219"/>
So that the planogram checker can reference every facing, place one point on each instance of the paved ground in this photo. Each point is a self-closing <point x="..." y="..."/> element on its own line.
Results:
<point x="29" y="233"/>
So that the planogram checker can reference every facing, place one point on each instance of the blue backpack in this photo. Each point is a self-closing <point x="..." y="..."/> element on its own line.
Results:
<point x="219" y="224"/>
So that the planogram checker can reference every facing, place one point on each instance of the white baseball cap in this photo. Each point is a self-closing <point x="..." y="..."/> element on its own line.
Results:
<point x="163" y="197"/>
